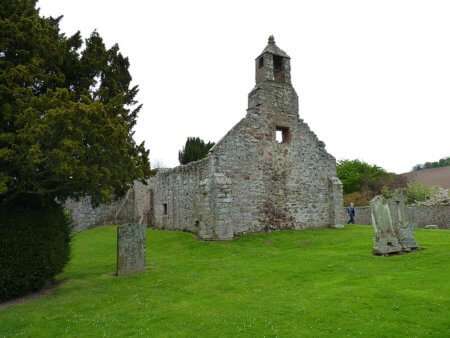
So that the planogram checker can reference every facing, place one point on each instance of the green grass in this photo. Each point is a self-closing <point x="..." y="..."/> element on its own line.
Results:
<point x="312" y="283"/>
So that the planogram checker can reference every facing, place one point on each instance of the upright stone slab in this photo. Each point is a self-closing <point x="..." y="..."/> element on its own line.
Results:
<point x="130" y="248"/>
<point x="431" y="226"/>
<point x="385" y="239"/>
<point x="336" y="203"/>
<point x="402" y="226"/>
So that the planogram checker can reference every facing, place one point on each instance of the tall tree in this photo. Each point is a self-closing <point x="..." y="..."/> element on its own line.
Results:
<point x="194" y="149"/>
<point x="67" y="111"/>
<point x="359" y="176"/>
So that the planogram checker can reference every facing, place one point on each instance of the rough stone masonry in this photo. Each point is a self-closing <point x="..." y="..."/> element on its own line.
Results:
<point x="270" y="171"/>
<point x="393" y="231"/>
<point x="130" y="248"/>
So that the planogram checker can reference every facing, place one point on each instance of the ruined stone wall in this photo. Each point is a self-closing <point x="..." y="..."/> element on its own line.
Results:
<point x="133" y="207"/>
<point x="179" y="197"/>
<point x="249" y="182"/>
<point x="294" y="175"/>
<point x="423" y="215"/>
<point x="419" y="215"/>
<point x="274" y="185"/>
<point x="85" y="216"/>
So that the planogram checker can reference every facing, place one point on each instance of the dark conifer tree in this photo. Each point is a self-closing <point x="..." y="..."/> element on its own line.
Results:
<point x="194" y="149"/>
<point x="67" y="111"/>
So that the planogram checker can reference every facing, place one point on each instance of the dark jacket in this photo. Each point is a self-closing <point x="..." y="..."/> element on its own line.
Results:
<point x="351" y="211"/>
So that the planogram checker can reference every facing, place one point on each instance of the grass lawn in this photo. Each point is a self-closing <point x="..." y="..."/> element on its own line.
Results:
<point x="312" y="283"/>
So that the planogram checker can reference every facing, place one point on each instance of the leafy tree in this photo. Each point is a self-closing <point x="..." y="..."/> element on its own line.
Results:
<point x="67" y="112"/>
<point x="443" y="162"/>
<point x="357" y="175"/>
<point x="194" y="149"/>
<point x="362" y="181"/>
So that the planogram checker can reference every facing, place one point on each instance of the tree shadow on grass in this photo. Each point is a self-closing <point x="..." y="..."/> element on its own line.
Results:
<point x="47" y="290"/>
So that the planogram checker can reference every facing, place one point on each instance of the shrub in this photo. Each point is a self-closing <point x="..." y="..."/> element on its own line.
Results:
<point x="358" y="199"/>
<point x="34" y="245"/>
<point x="418" y="192"/>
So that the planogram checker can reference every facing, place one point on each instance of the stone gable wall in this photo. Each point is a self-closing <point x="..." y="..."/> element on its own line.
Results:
<point x="249" y="182"/>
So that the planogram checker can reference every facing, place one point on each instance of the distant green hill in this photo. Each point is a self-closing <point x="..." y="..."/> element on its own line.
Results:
<point x="443" y="162"/>
<point x="438" y="177"/>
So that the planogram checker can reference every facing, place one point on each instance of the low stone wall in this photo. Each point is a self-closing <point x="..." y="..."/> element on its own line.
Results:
<point x="133" y="207"/>
<point x="136" y="206"/>
<point x="423" y="215"/>
<point x="85" y="216"/>
<point x="419" y="215"/>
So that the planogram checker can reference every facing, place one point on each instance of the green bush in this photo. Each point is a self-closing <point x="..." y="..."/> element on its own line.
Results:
<point x="34" y="245"/>
<point x="359" y="199"/>
<point x="418" y="192"/>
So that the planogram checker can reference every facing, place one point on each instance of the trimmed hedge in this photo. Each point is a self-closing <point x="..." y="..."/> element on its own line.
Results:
<point x="34" y="245"/>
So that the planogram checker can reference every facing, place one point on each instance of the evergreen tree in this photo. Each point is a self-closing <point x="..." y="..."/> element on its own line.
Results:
<point x="194" y="149"/>
<point x="67" y="112"/>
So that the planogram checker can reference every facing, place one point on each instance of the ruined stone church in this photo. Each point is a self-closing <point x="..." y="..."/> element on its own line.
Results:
<point x="270" y="171"/>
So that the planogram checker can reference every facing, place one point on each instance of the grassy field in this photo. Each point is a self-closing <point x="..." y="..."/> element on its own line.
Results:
<point x="313" y="283"/>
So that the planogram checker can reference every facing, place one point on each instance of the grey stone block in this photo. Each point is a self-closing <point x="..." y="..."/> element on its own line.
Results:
<point x="385" y="237"/>
<point x="131" y="243"/>
<point x="401" y="222"/>
<point x="431" y="226"/>
<point x="393" y="232"/>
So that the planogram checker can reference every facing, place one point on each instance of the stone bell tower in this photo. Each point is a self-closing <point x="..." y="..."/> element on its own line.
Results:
<point x="269" y="172"/>
<point x="273" y="64"/>
<point x="274" y="98"/>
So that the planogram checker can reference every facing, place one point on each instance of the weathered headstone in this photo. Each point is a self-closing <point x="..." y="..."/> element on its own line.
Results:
<point x="403" y="227"/>
<point x="431" y="226"/>
<point x="130" y="248"/>
<point x="385" y="239"/>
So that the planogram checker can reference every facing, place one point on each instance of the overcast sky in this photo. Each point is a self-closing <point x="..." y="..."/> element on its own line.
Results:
<point x="373" y="77"/>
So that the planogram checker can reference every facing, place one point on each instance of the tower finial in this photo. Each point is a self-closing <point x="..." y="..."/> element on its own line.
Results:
<point x="271" y="40"/>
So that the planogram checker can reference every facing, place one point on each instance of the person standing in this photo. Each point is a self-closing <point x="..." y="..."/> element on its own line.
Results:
<point x="351" y="214"/>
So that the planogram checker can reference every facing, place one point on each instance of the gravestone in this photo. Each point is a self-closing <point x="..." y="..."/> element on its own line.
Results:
<point x="385" y="239"/>
<point x="130" y="248"/>
<point x="431" y="226"/>
<point x="402" y="226"/>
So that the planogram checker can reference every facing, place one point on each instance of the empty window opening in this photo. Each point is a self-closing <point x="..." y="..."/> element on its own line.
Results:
<point x="165" y="208"/>
<point x="277" y="62"/>
<point x="278" y="68"/>
<point x="261" y="62"/>
<point x="282" y="135"/>
<point x="279" y="136"/>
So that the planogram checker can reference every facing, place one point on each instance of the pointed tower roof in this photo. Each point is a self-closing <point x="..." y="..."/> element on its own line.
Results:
<point x="272" y="48"/>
